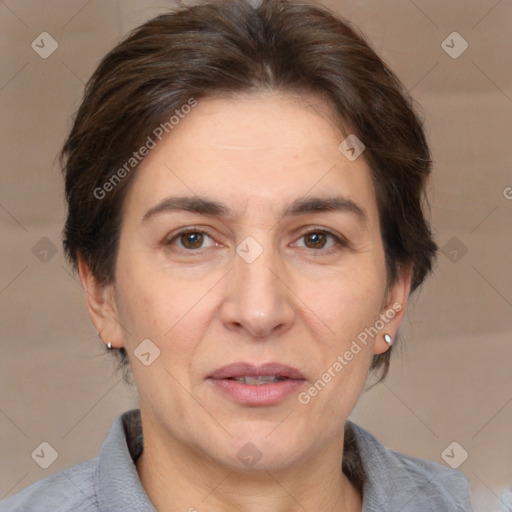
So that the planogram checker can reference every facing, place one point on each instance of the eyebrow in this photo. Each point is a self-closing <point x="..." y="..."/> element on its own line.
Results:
<point x="205" y="206"/>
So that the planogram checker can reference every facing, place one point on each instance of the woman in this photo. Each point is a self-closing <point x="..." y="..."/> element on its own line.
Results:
<point x="244" y="190"/>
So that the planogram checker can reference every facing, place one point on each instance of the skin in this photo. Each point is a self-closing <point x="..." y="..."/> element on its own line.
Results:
<point x="301" y="302"/>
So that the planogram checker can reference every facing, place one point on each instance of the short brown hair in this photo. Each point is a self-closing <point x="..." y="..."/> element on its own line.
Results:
<point x="229" y="47"/>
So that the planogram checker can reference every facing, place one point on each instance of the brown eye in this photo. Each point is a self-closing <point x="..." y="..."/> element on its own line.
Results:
<point x="315" y="240"/>
<point x="321" y="241"/>
<point x="192" y="240"/>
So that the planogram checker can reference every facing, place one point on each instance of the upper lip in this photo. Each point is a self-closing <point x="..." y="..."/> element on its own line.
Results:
<point x="242" y="369"/>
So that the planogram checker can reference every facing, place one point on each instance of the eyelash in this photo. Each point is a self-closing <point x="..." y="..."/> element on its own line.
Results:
<point x="339" y="240"/>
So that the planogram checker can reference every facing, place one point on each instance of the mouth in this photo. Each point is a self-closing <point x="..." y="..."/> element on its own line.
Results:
<point x="257" y="380"/>
<point x="256" y="375"/>
<point x="248" y="384"/>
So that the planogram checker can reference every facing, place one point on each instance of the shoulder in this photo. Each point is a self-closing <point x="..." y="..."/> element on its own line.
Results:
<point x="401" y="482"/>
<point x="71" y="490"/>
<point x="107" y="482"/>
<point x="425" y="481"/>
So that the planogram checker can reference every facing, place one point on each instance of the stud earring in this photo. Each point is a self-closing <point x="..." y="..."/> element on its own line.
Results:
<point x="109" y="345"/>
<point x="387" y="339"/>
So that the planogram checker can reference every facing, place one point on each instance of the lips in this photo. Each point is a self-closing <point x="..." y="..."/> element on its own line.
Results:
<point x="250" y="385"/>
<point x="242" y="369"/>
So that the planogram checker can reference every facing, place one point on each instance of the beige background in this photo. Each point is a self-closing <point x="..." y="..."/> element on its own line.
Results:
<point x="450" y="379"/>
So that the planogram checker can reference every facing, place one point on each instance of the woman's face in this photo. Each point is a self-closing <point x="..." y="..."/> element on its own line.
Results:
<point x="249" y="238"/>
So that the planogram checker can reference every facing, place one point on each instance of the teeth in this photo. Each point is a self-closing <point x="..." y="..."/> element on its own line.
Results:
<point x="259" y="380"/>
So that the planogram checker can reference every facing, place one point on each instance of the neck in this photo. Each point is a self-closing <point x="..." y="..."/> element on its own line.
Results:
<point x="176" y="477"/>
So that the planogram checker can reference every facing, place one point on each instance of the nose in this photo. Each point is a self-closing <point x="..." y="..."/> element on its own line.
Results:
<point x="258" y="301"/>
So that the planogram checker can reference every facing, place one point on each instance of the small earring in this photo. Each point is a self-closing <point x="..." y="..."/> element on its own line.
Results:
<point x="387" y="339"/>
<point x="109" y="345"/>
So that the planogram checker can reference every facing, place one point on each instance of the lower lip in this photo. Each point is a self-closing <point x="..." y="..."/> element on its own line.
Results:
<point x="263" y="394"/>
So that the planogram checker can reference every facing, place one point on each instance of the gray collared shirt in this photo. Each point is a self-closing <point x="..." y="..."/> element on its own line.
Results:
<point x="110" y="482"/>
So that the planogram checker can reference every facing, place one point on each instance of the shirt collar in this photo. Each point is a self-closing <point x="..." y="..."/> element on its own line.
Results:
<point x="117" y="482"/>
<point x="118" y="485"/>
<point x="389" y="484"/>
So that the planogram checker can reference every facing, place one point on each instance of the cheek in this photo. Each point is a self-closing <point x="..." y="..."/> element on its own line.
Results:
<point x="347" y="307"/>
<point x="347" y="302"/>
<point x="171" y="312"/>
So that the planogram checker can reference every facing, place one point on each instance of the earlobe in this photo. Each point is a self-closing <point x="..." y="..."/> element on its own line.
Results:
<point x="394" y="309"/>
<point x="101" y="305"/>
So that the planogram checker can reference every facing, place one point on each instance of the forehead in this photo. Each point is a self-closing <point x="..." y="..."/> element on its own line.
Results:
<point x="259" y="125"/>
<point x="264" y="148"/>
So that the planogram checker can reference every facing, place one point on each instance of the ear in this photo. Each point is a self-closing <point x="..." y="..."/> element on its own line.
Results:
<point x="101" y="305"/>
<point x="393" y="311"/>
